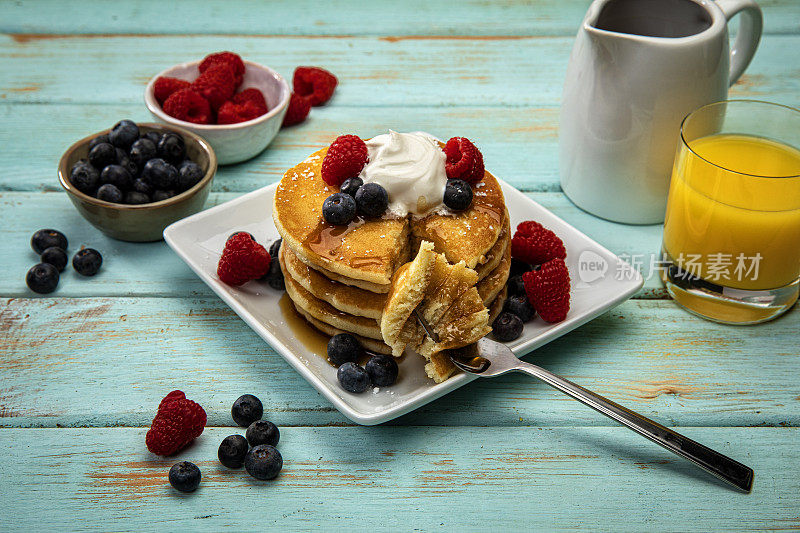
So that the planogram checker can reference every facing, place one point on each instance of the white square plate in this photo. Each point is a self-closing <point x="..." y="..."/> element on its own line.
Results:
<point x="600" y="280"/>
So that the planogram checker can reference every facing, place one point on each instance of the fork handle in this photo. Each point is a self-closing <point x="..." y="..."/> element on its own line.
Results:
<point x="723" y="467"/>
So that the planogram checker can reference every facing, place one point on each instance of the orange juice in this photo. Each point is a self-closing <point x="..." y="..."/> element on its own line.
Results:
<point x="733" y="216"/>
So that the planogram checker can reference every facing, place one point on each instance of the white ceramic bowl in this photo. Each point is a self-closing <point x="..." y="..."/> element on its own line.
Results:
<point x="232" y="143"/>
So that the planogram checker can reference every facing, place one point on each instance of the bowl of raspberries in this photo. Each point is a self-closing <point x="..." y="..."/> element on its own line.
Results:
<point x="237" y="106"/>
<point x="134" y="180"/>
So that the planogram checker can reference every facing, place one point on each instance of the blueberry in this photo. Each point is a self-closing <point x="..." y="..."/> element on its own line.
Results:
<point x="263" y="432"/>
<point x="263" y="462"/>
<point x="154" y="137"/>
<point x="353" y="378"/>
<point x="45" y="238"/>
<point x="518" y="267"/>
<point x="351" y="185"/>
<point x="87" y="261"/>
<point x="55" y="256"/>
<point x="135" y="198"/>
<point x="125" y="162"/>
<point x="84" y="176"/>
<point x="123" y="134"/>
<point x="184" y="476"/>
<point x="274" y="248"/>
<point x="457" y="194"/>
<point x="42" y="278"/>
<point x="109" y="193"/>
<point x="97" y="140"/>
<point x="274" y="276"/>
<point x="142" y="151"/>
<point x="117" y="176"/>
<point x="188" y="176"/>
<point x="172" y="148"/>
<point x="339" y="209"/>
<point x="507" y="327"/>
<point x="372" y="200"/>
<point x="102" y="155"/>
<point x="343" y="348"/>
<point x="246" y="410"/>
<point x="516" y="287"/>
<point x="520" y="306"/>
<point x="382" y="370"/>
<point x="232" y="450"/>
<point x="159" y="195"/>
<point x="160" y="174"/>
<point x="139" y="185"/>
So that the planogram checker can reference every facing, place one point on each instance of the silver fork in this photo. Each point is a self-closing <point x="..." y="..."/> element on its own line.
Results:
<point x="488" y="358"/>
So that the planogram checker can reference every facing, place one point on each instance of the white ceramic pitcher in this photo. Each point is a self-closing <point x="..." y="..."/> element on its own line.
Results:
<point x="637" y="68"/>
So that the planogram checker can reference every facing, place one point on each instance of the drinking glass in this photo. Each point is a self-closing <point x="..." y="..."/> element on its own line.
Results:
<point x="731" y="246"/>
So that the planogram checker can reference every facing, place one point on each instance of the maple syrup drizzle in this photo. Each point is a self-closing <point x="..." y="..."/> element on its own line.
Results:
<point x="326" y="238"/>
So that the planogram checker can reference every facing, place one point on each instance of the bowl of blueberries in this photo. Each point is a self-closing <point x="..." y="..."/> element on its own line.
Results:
<point x="134" y="180"/>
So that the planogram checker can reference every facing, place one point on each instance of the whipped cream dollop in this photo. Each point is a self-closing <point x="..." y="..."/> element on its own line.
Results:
<point x="410" y="166"/>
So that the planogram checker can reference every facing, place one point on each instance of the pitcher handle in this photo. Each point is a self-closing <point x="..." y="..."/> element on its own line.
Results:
<point x="750" y="28"/>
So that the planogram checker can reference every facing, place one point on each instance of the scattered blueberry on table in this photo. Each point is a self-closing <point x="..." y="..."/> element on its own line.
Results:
<point x="232" y="450"/>
<point x="246" y="410"/>
<point x="263" y="432"/>
<point x="184" y="476"/>
<point x="263" y="462"/>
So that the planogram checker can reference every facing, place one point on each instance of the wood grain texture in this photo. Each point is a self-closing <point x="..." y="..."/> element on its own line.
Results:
<point x="409" y="478"/>
<point x="519" y="144"/>
<point x="375" y="71"/>
<point x="506" y="453"/>
<point x="128" y="267"/>
<point x="311" y="18"/>
<point x="91" y="361"/>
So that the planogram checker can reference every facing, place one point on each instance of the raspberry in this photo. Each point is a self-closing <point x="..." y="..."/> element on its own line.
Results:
<point x="548" y="290"/>
<point x="464" y="160"/>
<point x="299" y="106"/>
<point x="231" y="113"/>
<point x="231" y="60"/>
<point x="243" y="259"/>
<point x="165" y="86"/>
<point x="216" y="85"/>
<point x="187" y="105"/>
<point x="177" y="423"/>
<point x="315" y="83"/>
<point x="534" y="244"/>
<point x="253" y="96"/>
<point x="346" y="156"/>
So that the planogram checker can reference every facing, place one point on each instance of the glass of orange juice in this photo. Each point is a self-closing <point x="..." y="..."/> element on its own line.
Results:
<point x="731" y="245"/>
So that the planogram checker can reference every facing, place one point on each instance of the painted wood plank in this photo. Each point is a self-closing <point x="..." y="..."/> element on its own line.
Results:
<point x="410" y="478"/>
<point x="309" y="17"/>
<point x="109" y="361"/>
<point x="128" y="268"/>
<point x="519" y="144"/>
<point x="506" y="71"/>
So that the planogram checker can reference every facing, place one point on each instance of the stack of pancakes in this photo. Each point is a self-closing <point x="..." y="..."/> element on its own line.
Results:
<point x="339" y="277"/>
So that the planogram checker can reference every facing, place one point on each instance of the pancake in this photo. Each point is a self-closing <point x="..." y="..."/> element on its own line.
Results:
<point x="343" y="297"/>
<point x="369" y="344"/>
<point x="413" y="279"/>
<point x="325" y="312"/>
<point x="366" y="249"/>
<point x="466" y="235"/>
<point x="371" y="250"/>
<point x="360" y="302"/>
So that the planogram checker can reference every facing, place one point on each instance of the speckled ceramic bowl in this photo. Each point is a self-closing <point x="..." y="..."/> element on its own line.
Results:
<point x="233" y="143"/>
<point x="145" y="222"/>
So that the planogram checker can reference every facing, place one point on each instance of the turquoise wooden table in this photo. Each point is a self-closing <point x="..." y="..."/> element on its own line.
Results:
<point x="82" y="369"/>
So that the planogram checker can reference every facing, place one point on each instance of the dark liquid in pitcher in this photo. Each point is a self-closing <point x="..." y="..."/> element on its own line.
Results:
<point x="654" y="18"/>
